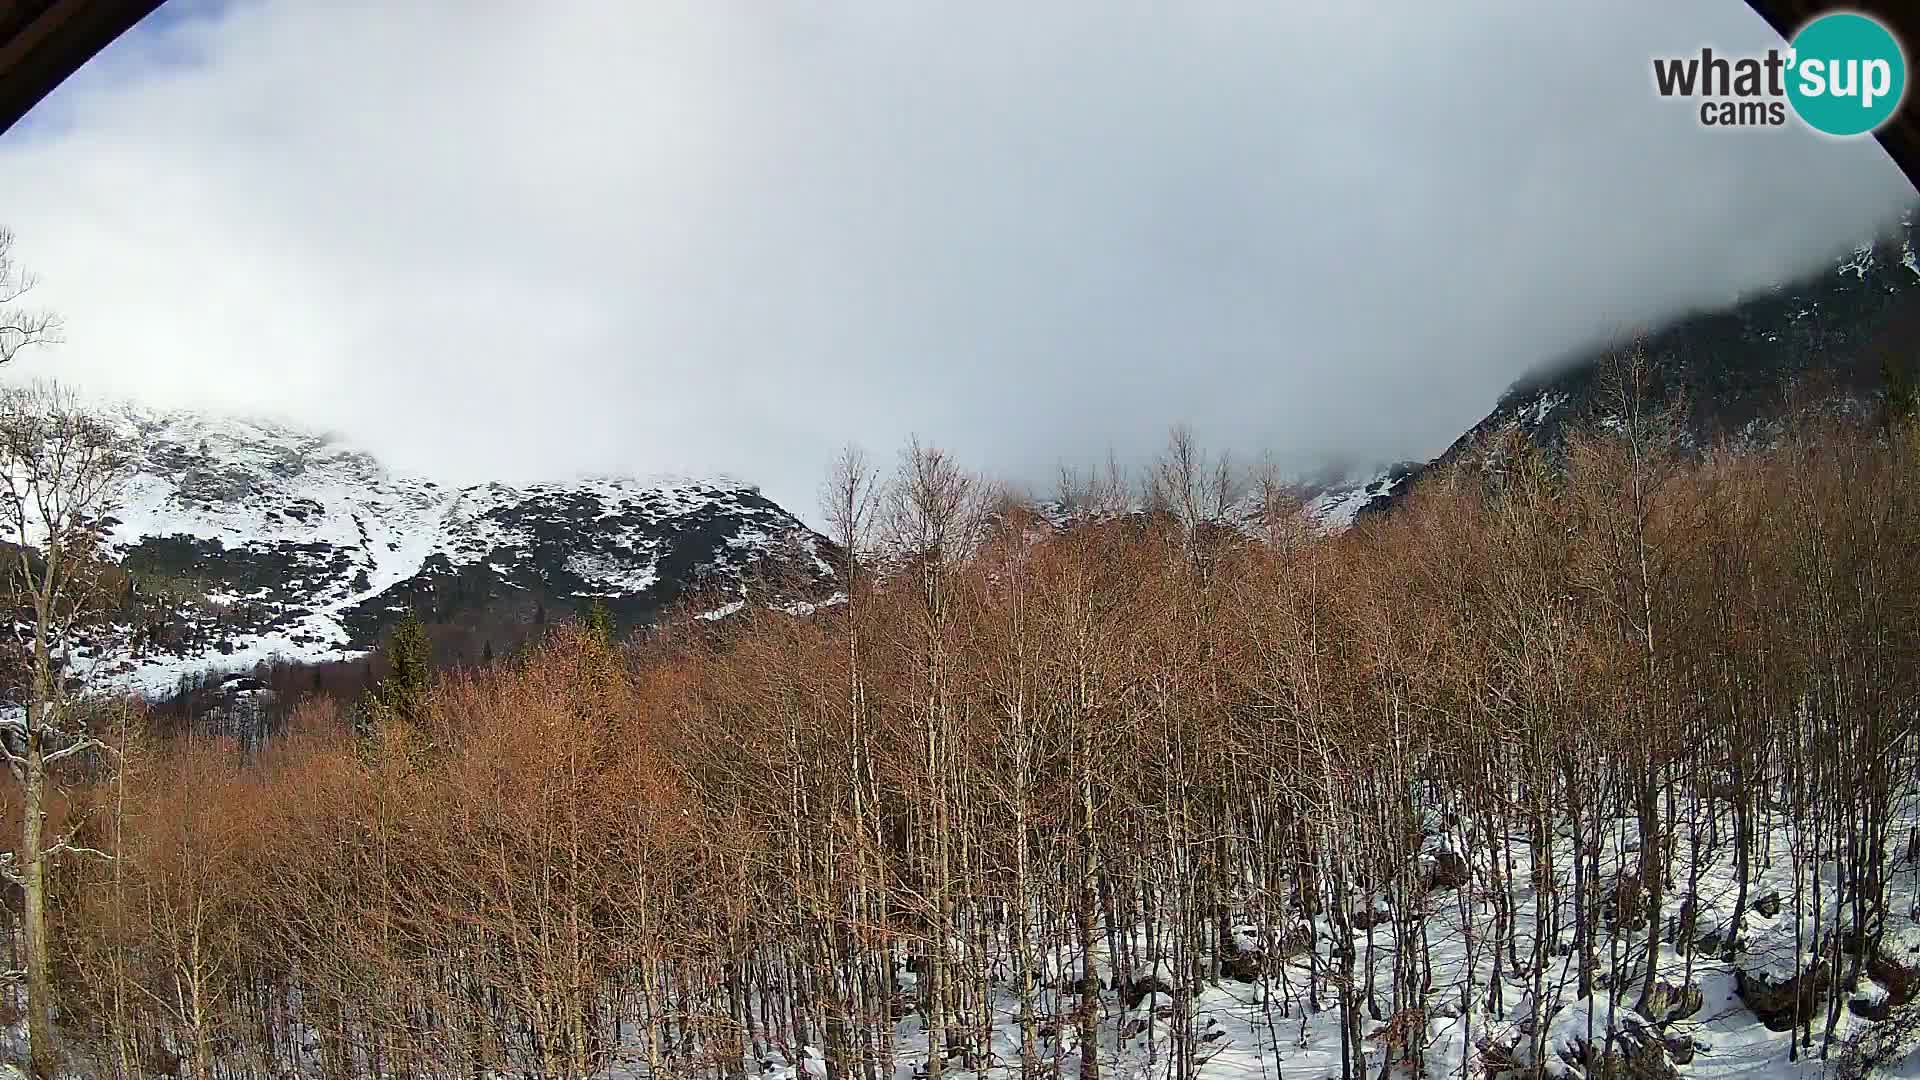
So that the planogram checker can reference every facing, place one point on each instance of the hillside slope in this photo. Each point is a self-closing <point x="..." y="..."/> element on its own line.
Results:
<point x="1729" y="368"/>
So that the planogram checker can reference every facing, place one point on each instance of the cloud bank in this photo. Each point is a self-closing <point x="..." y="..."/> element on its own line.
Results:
<point x="517" y="242"/>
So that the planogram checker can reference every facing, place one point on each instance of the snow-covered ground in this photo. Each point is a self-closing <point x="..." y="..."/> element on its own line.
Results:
<point x="1265" y="1030"/>
<point x="1262" y="1026"/>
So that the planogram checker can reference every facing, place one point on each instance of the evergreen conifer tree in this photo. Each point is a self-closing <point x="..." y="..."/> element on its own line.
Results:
<point x="1903" y="388"/>
<point x="398" y="696"/>
<point x="598" y="622"/>
<point x="406" y="683"/>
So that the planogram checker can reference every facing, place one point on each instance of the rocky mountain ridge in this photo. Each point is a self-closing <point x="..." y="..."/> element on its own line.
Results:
<point x="1732" y="370"/>
<point x="247" y="541"/>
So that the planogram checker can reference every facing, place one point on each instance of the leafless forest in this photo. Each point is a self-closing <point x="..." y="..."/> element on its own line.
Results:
<point x="1037" y="769"/>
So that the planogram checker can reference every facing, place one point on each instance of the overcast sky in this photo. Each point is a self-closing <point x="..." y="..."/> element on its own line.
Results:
<point x="516" y="242"/>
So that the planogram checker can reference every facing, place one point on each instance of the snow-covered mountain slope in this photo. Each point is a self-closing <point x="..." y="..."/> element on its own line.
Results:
<point x="247" y="540"/>
<point x="1333" y="509"/>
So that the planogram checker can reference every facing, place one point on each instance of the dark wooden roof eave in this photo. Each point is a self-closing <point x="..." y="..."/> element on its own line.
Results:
<point x="44" y="41"/>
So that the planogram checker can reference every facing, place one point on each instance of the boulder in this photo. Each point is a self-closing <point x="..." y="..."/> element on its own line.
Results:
<point x="1680" y="1048"/>
<point x="1366" y="918"/>
<point x="1781" y="996"/>
<point x="1447" y="870"/>
<point x="1242" y="955"/>
<point x="1870" y="1000"/>
<point x="1079" y="986"/>
<point x="1138" y="990"/>
<point x="1896" y="959"/>
<point x="1780" y="1002"/>
<point x="1241" y="967"/>
<point x="1637" y="1050"/>
<point x="1671" y="1001"/>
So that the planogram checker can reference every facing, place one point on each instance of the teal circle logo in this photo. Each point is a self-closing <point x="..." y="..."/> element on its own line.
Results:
<point x="1847" y="74"/>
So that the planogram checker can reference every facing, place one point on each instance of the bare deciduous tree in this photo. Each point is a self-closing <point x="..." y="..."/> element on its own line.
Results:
<point x="21" y="327"/>
<point x="60" y="467"/>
